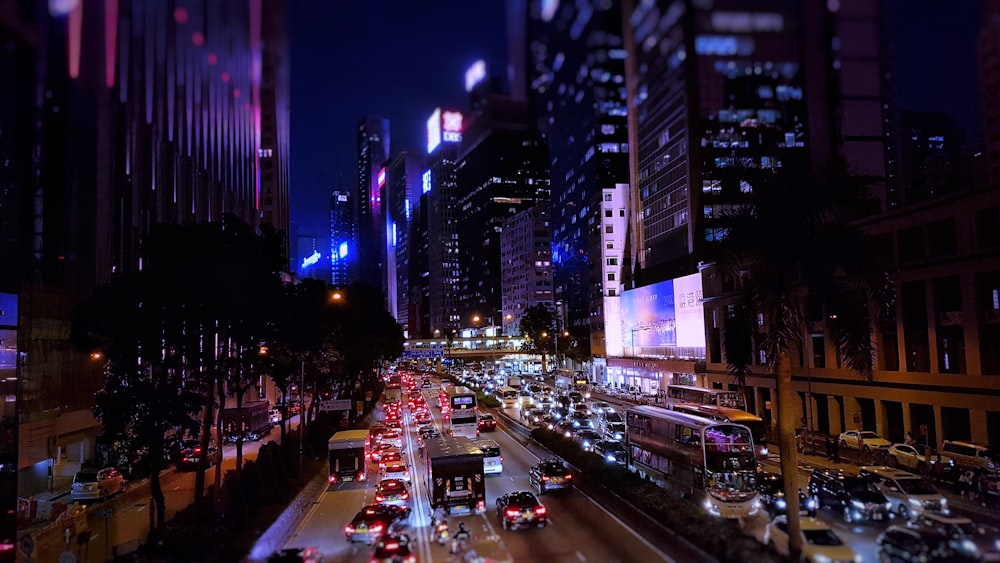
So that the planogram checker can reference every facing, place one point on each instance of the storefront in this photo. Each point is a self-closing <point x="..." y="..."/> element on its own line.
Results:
<point x="648" y="376"/>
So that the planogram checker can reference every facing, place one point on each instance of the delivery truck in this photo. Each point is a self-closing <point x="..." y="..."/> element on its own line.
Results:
<point x="455" y="475"/>
<point x="251" y="421"/>
<point x="349" y="453"/>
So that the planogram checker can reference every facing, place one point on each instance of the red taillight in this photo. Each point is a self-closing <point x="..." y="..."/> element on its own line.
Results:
<point x="379" y="498"/>
<point x="511" y="512"/>
<point x="361" y="477"/>
<point x="392" y="546"/>
<point x="376" y="529"/>
<point x="404" y="496"/>
<point x="569" y="475"/>
<point x="348" y="529"/>
<point x="545" y="477"/>
<point x="540" y="510"/>
<point x="501" y="459"/>
<point x="332" y="478"/>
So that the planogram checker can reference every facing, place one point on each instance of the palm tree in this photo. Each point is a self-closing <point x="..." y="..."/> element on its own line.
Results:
<point x="795" y="245"/>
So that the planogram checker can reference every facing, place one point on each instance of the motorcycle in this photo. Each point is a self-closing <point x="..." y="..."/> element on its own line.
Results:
<point x="441" y="532"/>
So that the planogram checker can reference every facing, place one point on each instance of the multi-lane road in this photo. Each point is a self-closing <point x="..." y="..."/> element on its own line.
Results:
<point x="580" y="530"/>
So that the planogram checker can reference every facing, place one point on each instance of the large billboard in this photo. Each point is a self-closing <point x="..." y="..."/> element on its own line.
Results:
<point x="444" y="127"/>
<point x="664" y="314"/>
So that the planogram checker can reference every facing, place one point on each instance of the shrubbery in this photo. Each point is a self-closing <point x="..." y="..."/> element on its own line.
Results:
<point x="720" y="538"/>
<point x="489" y="401"/>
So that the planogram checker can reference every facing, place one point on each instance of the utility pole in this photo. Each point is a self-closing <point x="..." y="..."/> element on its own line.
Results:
<point x="302" y="412"/>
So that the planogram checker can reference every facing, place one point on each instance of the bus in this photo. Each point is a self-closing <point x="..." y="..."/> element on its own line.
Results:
<point x="709" y="461"/>
<point x="508" y="395"/>
<point x="463" y="414"/>
<point x="725" y="414"/>
<point x="704" y="396"/>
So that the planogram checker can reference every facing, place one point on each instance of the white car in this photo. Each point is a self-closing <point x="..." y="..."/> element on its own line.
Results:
<point x="908" y="457"/>
<point x="909" y="495"/>
<point x="819" y="542"/>
<point x="396" y="470"/>
<point x="863" y="440"/>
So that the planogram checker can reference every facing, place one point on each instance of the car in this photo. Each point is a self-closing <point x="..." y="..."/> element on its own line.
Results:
<point x="908" y="494"/>
<point x="392" y="456"/>
<point x="487" y="423"/>
<point x="582" y="408"/>
<point x="575" y="397"/>
<point x="190" y="455"/>
<point x="492" y="459"/>
<point x="392" y="547"/>
<point x="864" y="440"/>
<point x="372" y="521"/>
<point x="971" y="456"/>
<point x="612" y="451"/>
<point x="857" y="498"/>
<point x="296" y="555"/>
<point x="548" y="421"/>
<point x="771" y="492"/>
<point x="581" y="420"/>
<point x="971" y="535"/>
<point x="93" y="484"/>
<point x="425" y="384"/>
<point x="566" y="428"/>
<point x="586" y="439"/>
<point x="393" y="491"/>
<point x="550" y="474"/>
<point x="396" y="470"/>
<point x="598" y="407"/>
<point x="521" y="508"/>
<point x="423" y="417"/>
<point x="923" y="545"/>
<point x="906" y="456"/>
<point x="381" y="449"/>
<point x="394" y="438"/>
<point x="819" y="542"/>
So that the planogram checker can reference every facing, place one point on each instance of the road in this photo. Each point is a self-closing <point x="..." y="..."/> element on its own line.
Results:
<point x="580" y="530"/>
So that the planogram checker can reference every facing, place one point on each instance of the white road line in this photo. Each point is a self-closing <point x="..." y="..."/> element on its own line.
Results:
<point x="580" y="556"/>
<point x="605" y="510"/>
<point x="315" y="506"/>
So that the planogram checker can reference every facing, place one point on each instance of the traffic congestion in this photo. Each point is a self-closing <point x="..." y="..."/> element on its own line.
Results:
<point x="430" y="482"/>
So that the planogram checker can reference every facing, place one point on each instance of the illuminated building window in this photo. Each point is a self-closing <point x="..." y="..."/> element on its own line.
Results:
<point x="723" y="45"/>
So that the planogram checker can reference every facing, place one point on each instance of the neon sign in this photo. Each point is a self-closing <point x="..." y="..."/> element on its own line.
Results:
<point x="434" y="131"/>
<point x="427" y="181"/>
<point x="475" y="74"/>
<point x="310" y="260"/>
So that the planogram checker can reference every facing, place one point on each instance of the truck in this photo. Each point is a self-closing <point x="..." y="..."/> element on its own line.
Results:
<point x="349" y="452"/>
<point x="253" y="418"/>
<point x="393" y="395"/>
<point x="514" y="382"/>
<point x="455" y="475"/>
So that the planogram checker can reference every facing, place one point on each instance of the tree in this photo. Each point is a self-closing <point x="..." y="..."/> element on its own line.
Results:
<point x="796" y="243"/>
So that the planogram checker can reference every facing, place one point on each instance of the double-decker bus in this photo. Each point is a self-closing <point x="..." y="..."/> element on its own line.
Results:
<point x="508" y="395"/>
<point x="705" y="396"/>
<point x="726" y="414"/>
<point x="462" y="417"/>
<point x="710" y="461"/>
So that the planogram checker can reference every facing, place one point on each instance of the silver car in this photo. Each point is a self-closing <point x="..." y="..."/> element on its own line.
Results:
<point x="91" y="484"/>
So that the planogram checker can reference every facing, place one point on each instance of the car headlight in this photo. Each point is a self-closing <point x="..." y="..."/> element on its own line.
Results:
<point x="611" y="457"/>
<point x="916" y="502"/>
<point x="944" y="502"/>
<point x="764" y="451"/>
<point x="968" y="546"/>
<point x="821" y="558"/>
<point x="811" y="502"/>
<point x="780" y="504"/>
<point x="857" y="504"/>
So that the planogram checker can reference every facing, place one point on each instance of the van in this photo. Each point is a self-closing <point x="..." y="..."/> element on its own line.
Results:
<point x="492" y="460"/>
<point x="970" y="456"/>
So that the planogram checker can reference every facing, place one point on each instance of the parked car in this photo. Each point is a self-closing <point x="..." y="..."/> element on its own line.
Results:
<point x="819" y="542"/>
<point x="907" y="457"/>
<point x="908" y="494"/>
<point x="857" y="498"/>
<point x="971" y="456"/>
<point x="520" y="508"/>
<point x="771" y="491"/>
<point x="92" y="484"/>
<point x="550" y="474"/>
<point x="923" y="545"/>
<point x="864" y="440"/>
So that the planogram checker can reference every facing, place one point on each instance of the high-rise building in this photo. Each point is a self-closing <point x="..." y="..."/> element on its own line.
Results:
<point x="931" y="157"/>
<point x="577" y="86"/>
<point x="525" y="266"/>
<point x="400" y="199"/>
<point x="440" y="197"/>
<point x="373" y="154"/>
<point x="274" y="119"/>
<point x="502" y="169"/>
<point x="342" y="236"/>
<point x="988" y="51"/>
<point x="120" y="143"/>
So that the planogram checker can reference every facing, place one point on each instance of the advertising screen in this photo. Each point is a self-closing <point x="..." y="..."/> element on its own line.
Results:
<point x="434" y="131"/>
<point x="664" y="314"/>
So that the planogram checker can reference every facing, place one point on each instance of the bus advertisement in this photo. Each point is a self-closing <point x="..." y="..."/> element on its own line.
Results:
<point x="705" y="396"/>
<point x="463" y="412"/>
<point x="711" y="461"/>
<point x="724" y="414"/>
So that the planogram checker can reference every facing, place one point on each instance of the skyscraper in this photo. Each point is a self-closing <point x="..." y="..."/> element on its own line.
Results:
<point x="440" y="196"/>
<point x="400" y="198"/>
<point x="342" y="236"/>
<point x="274" y="119"/>
<point x="577" y="86"/>
<point x="988" y="51"/>
<point x="525" y="265"/>
<point x="373" y="154"/>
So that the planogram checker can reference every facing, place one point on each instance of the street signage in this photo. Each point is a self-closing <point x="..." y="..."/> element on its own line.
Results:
<point x="335" y="405"/>
<point x="27" y="544"/>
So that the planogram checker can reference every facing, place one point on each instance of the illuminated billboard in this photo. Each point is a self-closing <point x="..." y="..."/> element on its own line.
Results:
<point x="426" y="181"/>
<point x="665" y="314"/>
<point x="434" y="131"/>
<point x="475" y="74"/>
<point x="443" y="127"/>
<point x="342" y="250"/>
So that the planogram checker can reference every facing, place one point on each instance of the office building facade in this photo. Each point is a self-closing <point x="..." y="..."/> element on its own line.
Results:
<point x="401" y="197"/>
<point x="342" y="236"/>
<point x="525" y="266"/>
<point x="369" y="245"/>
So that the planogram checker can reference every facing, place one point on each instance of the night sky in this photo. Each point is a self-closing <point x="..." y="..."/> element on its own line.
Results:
<point x="403" y="58"/>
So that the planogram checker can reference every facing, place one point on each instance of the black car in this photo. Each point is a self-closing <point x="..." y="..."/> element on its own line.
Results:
<point x="926" y="545"/>
<point x="771" y="491"/>
<point x="189" y="455"/>
<point x="549" y="475"/>
<point x="520" y="508"/>
<point x="857" y="498"/>
<point x="372" y="521"/>
<point x="612" y="451"/>
<point x="392" y="547"/>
